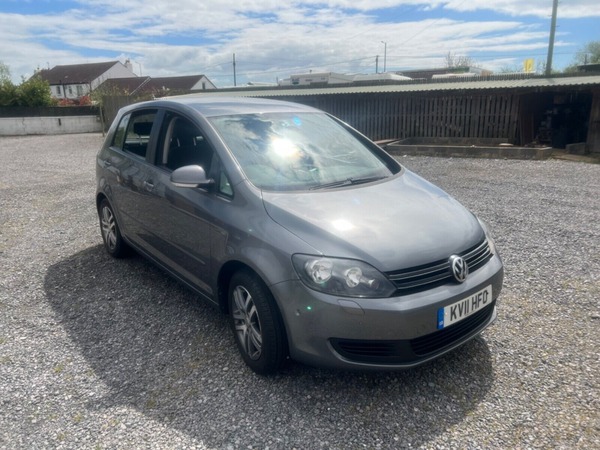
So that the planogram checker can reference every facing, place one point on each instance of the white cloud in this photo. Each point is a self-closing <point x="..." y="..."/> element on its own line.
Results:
<point x="539" y="8"/>
<point x="272" y="38"/>
<point x="516" y="8"/>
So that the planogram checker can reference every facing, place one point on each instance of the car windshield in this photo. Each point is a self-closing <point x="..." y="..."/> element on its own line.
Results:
<point x="298" y="151"/>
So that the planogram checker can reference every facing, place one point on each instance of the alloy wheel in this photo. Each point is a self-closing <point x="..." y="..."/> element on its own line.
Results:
<point x="109" y="228"/>
<point x="247" y="323"/>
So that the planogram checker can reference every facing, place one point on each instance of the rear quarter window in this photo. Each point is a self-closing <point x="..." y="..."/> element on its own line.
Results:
<point x="120" y="133"/>
<point x="133" y="132"/>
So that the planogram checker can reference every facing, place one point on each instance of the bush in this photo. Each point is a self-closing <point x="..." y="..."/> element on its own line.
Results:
<point x="34" y="92"/>
<point x="31" y="92"/>
<point x="8" y="93"/>
<point x="66" y="102"/>
<point x="85" y="101"/>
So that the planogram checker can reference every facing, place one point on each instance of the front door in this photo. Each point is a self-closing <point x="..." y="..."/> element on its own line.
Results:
<point x="180" y="232"/>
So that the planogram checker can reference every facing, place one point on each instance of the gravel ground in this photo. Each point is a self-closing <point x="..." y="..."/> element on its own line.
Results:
<point x="98" y="353"/>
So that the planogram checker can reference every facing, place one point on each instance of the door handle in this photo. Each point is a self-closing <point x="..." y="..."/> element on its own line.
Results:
<point x="148" y="185"/>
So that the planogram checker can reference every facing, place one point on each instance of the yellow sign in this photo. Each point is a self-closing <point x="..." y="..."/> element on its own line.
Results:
<point x="528" y="65"/>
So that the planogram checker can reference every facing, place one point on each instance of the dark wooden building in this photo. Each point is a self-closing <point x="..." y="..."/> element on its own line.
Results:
<point x="554" y="111"/>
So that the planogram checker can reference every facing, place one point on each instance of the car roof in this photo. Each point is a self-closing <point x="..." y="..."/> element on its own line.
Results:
<point x="211" y="106"/>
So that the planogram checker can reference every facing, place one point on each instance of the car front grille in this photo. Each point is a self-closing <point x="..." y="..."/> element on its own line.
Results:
<point x="413" y="350"/>
<point x="428" y="276"/>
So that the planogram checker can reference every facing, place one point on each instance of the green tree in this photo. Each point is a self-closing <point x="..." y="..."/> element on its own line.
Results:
<point x="34" y="92"/>
<point x="8" y="91"/>
<point x="4" y="73"/>
<point x="31" y="92"/>
<point x="589" y="54"/>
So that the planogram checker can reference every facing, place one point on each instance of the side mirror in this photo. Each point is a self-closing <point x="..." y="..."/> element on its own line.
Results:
<point x="191" y="177"/>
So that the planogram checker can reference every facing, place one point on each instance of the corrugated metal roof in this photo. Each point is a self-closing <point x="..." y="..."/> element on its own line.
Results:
<point x="470" y="85"/>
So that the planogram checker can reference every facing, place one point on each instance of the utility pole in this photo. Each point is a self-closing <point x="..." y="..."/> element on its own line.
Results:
<point x="234" y="79"/>
<point x="377" y="64"/>
<point x="551" y="43"/>
<point x="384" y="56"/>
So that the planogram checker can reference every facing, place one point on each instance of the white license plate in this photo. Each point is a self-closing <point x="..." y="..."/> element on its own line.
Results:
<point x="462" y="309"/>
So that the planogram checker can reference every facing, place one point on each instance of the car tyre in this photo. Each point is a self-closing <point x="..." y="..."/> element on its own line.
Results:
<point x="111" y="234"/>
<point x="256" y="323"/>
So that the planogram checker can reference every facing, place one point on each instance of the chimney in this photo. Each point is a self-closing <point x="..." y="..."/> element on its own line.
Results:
<point x="129" y="65"/>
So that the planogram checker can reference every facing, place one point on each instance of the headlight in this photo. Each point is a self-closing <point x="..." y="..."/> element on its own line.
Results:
<point x="488" y="235"/>
<point x="343" y="277"/>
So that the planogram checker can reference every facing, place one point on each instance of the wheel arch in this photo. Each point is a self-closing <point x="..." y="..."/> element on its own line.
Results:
<point x="224" y="278"/>
<point x="100" y="196"/>
<point x="279" y="347"/>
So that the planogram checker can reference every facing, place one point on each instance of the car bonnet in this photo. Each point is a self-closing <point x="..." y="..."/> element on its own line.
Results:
<point x="402" y="222"/>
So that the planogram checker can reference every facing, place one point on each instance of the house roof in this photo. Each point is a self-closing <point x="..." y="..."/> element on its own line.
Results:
<point x="479" y="84"/>
<point x="126" y="85"/>
<point x="76" y="73"/>
<point x="150" y="84"/>
<point x="183" y="83"/>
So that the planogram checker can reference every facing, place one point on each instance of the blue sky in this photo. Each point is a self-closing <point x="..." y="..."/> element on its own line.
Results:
<point x="274" y="39"/>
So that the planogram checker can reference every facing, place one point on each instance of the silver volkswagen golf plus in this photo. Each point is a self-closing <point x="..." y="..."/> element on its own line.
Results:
<point x="318" y="245"/>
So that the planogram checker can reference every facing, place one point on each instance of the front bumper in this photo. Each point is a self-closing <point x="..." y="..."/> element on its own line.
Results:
<point x="383" y="333"/>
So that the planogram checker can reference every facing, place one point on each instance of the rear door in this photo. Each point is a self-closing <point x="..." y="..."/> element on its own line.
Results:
<point x="131" y="166"/>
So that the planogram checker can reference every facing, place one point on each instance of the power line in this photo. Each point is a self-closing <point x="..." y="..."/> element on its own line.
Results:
<point x="370" y="58"/>
<point x="307" y="68"/>
<point x="283" y="69"/>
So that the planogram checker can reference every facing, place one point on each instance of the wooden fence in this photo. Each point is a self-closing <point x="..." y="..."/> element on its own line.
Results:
<point x="594" y="127"/>
<point x="398" y="116"/>
<point x="393" y="116"/>
<point x="111" y="105"/>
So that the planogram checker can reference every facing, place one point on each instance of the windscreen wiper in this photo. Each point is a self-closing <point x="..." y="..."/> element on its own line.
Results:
<point x="347" y="182"/>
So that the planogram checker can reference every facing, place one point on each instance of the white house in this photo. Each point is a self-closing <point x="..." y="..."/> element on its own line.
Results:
<point x="74" y="81"/>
